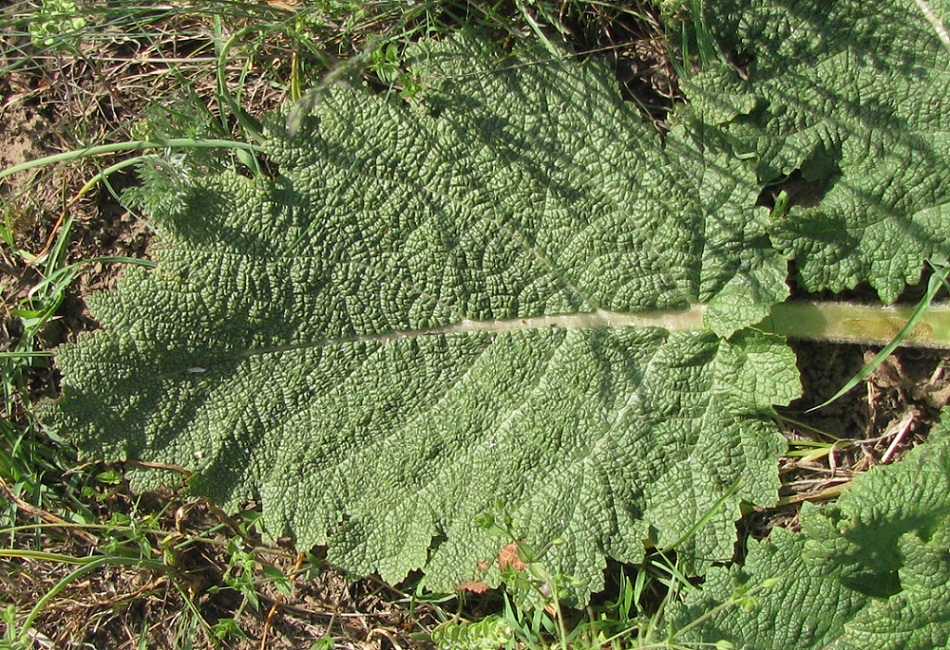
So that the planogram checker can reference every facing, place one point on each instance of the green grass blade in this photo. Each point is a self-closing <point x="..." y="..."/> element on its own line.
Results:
<point x="85" y="568"/>
<point x="131" y="145"/>
<point x="705" y="518"/>
<point x="24" y="355"/>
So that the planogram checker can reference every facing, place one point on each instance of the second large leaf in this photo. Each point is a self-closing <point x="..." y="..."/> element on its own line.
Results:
<point x="843" y="104"/>
<point x="432" y="307"/>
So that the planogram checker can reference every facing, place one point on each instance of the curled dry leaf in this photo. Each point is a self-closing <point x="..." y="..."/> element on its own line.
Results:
<point x="508" y="557"/>
<point x="473" y="586"/>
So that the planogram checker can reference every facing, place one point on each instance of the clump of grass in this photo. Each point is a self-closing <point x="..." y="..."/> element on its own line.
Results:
<point x="160" y="571"/>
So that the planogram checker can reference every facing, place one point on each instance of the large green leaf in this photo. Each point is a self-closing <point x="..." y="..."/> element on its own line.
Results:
<point x="432" y="307"/>
<point x="872" y="571"/>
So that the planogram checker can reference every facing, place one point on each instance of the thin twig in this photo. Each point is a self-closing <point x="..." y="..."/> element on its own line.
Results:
<point x="828" y="493"/>
<point x="902" y="428"/>
<point x="277" y="602"/>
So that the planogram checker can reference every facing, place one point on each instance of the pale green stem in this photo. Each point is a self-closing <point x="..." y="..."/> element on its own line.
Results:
<point x="862" y="324"/>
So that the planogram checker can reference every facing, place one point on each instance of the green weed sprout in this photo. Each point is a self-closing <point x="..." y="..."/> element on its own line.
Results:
<point x="57" y="24"/>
